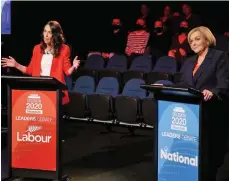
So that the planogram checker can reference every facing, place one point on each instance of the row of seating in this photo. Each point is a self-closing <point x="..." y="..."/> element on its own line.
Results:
<point x="113" y="93"/>
<point x="141" y="63"/>
<point x="124" y="77"/>
<point x="105" y="102"/>
<point x="165" y="69"/>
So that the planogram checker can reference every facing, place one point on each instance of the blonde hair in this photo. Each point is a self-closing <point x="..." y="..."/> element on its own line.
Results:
<point x="206" y="32"/>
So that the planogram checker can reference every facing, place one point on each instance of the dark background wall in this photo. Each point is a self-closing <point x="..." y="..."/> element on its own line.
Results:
<point x="82" y="21"/>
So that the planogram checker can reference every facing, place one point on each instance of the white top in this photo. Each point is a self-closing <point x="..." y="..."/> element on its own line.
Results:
<point x="46" y="64"/>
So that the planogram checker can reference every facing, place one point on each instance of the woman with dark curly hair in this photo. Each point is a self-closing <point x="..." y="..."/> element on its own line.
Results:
<point x="50" y="58"/>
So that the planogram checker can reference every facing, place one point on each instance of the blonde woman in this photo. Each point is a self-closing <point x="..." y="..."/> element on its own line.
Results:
<point x="208" y="71"/>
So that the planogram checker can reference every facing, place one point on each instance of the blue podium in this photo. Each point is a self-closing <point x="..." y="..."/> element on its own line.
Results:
<point x="177" y="133"/>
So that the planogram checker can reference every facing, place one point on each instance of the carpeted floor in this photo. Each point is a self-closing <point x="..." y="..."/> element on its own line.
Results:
<point x="89" y="155"/>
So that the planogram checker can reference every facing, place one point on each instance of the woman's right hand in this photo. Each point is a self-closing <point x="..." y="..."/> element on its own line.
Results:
<point x="8" y="62"/>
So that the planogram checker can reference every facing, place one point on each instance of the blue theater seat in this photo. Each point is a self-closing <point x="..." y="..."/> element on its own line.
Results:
<point x="83" y="72"/>
<point x="149" y="106"/>
<point x="141" y="64"/>
<point x="94" y="62"/>
<point x="127" y="105"/>
<point x="139" y="67"/>
<point x="78" y="105"/>
<point x="109" y="73"/>
<point x="164" y="68"/>
<point x="101" y="103"/>
<point x="166" y="64"/>
<point x="117" y="63"/>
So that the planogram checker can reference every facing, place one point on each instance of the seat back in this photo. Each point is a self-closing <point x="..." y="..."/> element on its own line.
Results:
<point x="117" y="62"/>
<point x="128" y="75"/>
<point x="109" y="73"/>
<point x="84" y="84"/>
<point x="164" y="82"/>
<point x="152" y="77"/>
<point x="141" y="64"/>
<point x="166" y="64"/>
<point x="108" y="85"/>
<point x="132" y="88"/>
<point x="94" y="62"/>
<point x="83" y="72"/>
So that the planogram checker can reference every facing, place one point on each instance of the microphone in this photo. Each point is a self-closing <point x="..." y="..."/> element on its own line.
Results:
<point x="47" y="52"/>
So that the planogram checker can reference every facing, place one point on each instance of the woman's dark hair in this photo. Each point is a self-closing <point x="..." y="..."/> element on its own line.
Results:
<point x="57" y="36"/>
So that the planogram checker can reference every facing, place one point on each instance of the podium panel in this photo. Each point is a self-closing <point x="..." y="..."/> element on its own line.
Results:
<point x="178" y="138"/>
<point x="178" y="141"/>
<point x="34" y="126"/>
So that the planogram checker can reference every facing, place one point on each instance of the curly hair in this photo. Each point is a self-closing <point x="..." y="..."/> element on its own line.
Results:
<point x="57" y="38"/>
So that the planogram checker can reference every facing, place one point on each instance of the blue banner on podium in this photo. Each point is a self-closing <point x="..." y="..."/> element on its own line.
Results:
<point x="178" y="141"/>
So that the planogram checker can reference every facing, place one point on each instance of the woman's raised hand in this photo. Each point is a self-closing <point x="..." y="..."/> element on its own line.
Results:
<point x="8" y="62"/>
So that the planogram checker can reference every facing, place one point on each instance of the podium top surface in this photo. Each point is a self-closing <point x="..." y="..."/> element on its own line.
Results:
<point x="173" y="91"/>
<point x="27" y="77"/>
<point x="32" y="82"/>
<point x="160" y="87"/>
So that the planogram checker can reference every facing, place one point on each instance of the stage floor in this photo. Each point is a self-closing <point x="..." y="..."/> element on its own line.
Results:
<point x="89" y="155"/>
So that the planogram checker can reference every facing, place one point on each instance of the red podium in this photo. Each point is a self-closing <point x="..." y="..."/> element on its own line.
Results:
<point x="34" y="122"/>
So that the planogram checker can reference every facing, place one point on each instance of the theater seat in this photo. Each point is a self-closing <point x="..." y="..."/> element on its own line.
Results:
<point x="109" y="73"/>
<point x="131" y="75"/>
<point x="127" y="105"/>
<point x="101" y="104"/>
<point x="149" y="106"/>
<point x="141" y="64"/>
<point x="83" y="72"/>
<point x="155" y="76"/>
<point x="94" y="62"/>
<point x="78" y="105"/>
<point x="139" y="67"/>
<point x="117" y="63"/>
<point x="166" y="64"/>
<point x="163" y="70"/>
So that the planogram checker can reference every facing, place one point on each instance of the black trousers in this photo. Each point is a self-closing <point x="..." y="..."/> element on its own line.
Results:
<point x="223" y="169"/>
<point x="214" y="138"/>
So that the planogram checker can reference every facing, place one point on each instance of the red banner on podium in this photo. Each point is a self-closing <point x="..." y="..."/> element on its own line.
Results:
<point x="34" y="129"/>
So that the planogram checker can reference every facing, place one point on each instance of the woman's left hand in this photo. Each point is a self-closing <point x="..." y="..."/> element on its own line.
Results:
<point x="76" y="62"/>
<point x="207" y="94"/>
